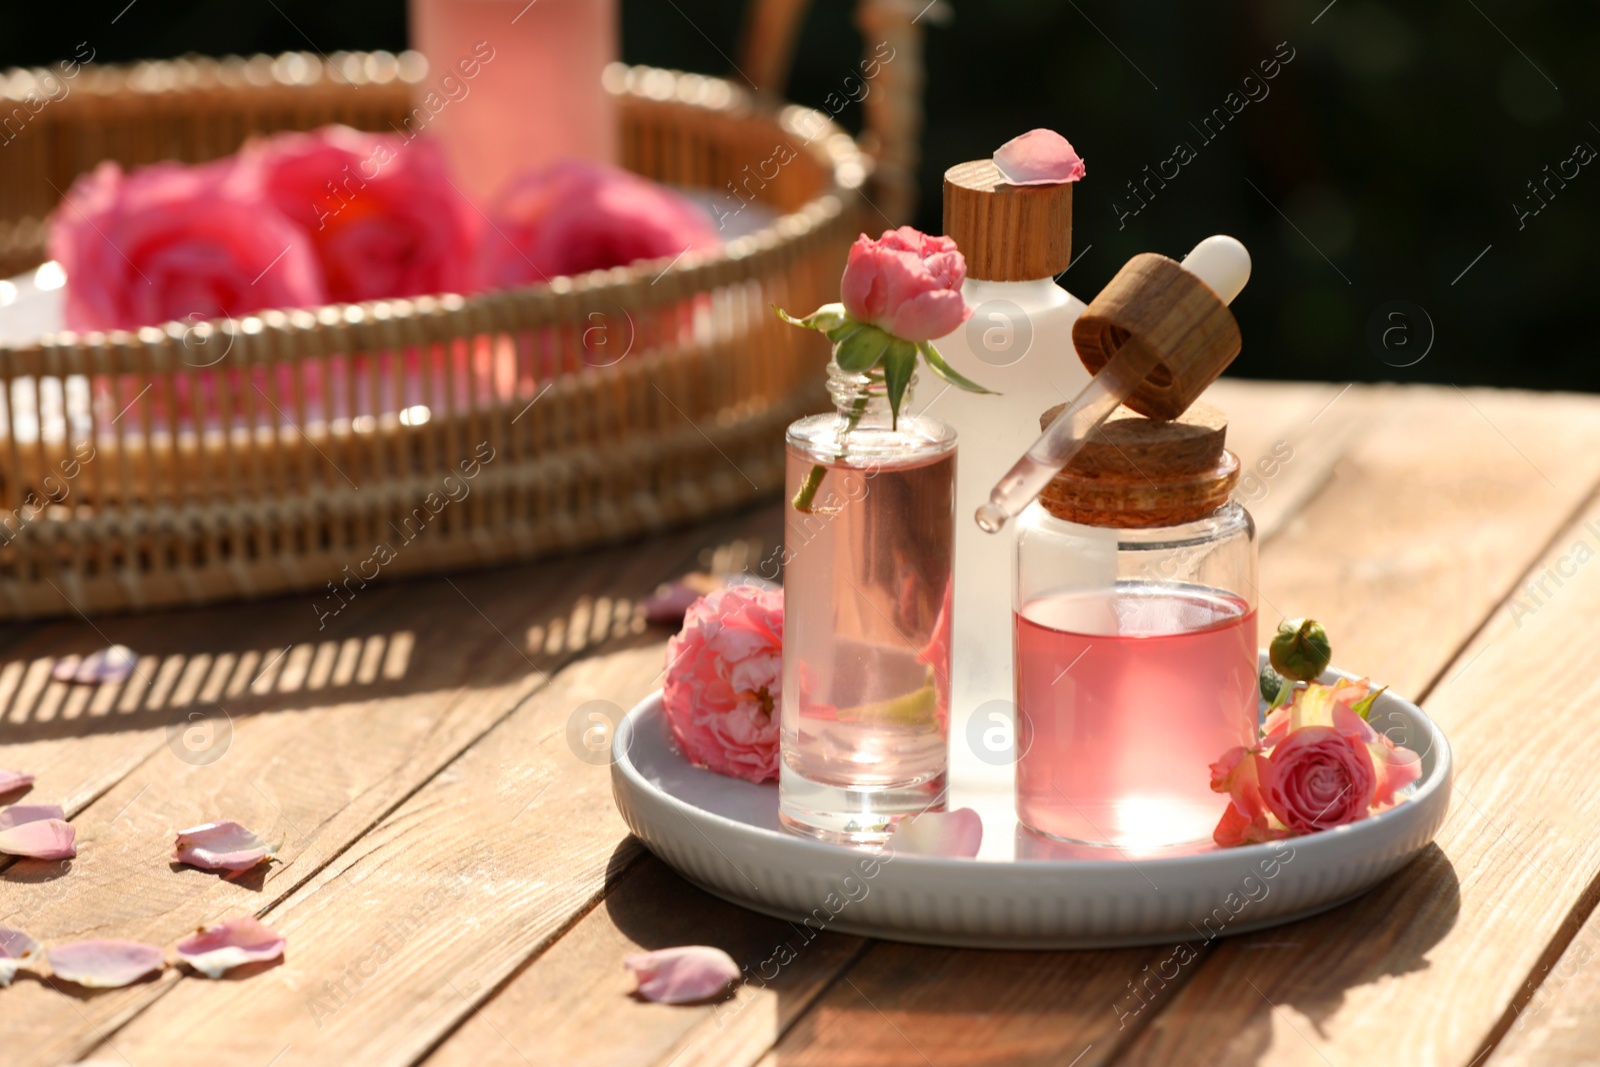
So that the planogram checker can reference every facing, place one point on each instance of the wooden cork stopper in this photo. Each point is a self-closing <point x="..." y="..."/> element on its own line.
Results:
<point x="1180" y="332"/>
<point x="1008" y="233"/>
<point x="1137" y="472"/>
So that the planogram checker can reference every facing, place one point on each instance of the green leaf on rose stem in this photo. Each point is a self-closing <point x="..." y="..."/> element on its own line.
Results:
<point x="860" y="349"/>
<point x="899" y="361"/>
<point x="826" y="318"/>
<point x="937" y="364"/>
<point x="844" y="329"/>
<point x="1363" y="707"/>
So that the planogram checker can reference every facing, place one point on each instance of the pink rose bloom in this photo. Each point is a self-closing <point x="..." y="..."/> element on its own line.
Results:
<point x="577" y="216"/>
<point x="1319" y="777"/>
<point x="380" y="212"/>
<point x="1334" y="705"/>
<point x="171" y="241"/>
<point x="1247" y="820"/>
<point x="906" y="283"/>
<point x="722" y="688"/>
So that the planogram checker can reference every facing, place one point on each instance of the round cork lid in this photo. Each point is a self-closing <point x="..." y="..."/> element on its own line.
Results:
<point x="1140" y="472"/>
<point x="1008" y="233"/>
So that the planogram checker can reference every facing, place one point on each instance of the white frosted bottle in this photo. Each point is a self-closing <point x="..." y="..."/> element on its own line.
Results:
<point x="1016" y="239"/>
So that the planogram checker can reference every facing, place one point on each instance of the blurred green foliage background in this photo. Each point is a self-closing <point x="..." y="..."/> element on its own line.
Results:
<point x="1389" y="159"/>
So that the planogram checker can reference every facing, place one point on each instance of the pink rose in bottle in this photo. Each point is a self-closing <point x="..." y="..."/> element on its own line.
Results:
<point x="378" y="211"/>
<point x="577" y="216"/>
<point x="906" y="283"/>
<point x="722" y="687"/>
<point x="171" y="241"/>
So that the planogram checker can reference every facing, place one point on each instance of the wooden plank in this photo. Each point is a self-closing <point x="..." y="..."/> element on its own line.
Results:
<point x="1428" y="966"/>
<point x="1423" y="527"/>
<point x="410" y="929"/>
<point x="321" y="759"/>
<point x="568" y="1008"/>
<point x="1555" y="1019"/>
<point x="1288" y="441"/>
<point x="35" y="711"/>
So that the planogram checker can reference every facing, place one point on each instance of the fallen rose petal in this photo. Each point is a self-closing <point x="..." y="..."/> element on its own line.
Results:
<point x="11" y="781"/>
<point x="41" y="839"/>
<point x="222" y="946"/>
<point x="17" y="814"/>
<point x="114" y="664"/>
<point x="16" y="948"/>
<point x="939" y="833"/>
<point x="682" y="975"/>
<point x="218" y="846"/>
<point x="104" y="964"/>
<point x="672" y="600"/>
<point x="1038" y="157"/>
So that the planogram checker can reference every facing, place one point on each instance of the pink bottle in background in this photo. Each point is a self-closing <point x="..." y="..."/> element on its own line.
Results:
<point x="515" y="85"/>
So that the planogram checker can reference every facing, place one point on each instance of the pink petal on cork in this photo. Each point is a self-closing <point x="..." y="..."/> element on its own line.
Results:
<point x="112" y="664"/>
<point x="11" y="781"/>
<point x="16" y="948"/>
<point x="682" y="975"/>
<point x="220" y="947"/>
<point x="221" y="846"/>
<point x="1038" y="157"/>
<point x="104" y="964"/>
<point x="939" y="833"/>
<point x="40" y="839"/>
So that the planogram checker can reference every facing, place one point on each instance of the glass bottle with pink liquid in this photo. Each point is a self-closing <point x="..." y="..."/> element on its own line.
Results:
<point x="867" y="590"/>
<point x="1135" y="616"/>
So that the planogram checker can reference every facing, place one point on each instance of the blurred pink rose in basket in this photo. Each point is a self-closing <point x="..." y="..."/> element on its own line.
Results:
<point x="172" y="242"/>
<point x="577" y="216"/>
<point x="380" y="212"/>
<point x="340" y="216"/>
<point x="723" y="676"/>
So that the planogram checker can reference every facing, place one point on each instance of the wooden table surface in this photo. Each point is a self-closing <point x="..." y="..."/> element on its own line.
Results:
<point x="457" y="887"/>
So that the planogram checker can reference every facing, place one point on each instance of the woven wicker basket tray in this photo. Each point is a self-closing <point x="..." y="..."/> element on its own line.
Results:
<point x="290" y="449"/>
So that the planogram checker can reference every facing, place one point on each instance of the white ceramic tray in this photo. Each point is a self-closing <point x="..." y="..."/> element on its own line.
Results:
<point x="1021" y="891"/>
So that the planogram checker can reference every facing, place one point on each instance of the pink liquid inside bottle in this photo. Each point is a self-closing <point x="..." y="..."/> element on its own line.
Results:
<point x="514" y="85"/>
<point x="866" y="632"/>
<point x="1125" y="696"/>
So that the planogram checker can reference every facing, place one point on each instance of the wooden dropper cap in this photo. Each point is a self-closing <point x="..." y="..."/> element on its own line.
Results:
<point x="1177" y="332"/>
<point x="1008" y="233"/>
<point x="1137" y="472"/>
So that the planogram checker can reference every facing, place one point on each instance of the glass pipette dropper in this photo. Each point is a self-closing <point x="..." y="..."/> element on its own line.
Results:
<point x="1223" y="264"/>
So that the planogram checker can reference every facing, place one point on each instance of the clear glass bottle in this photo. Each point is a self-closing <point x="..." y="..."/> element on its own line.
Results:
<point x="867" y="608"/>
<point x="1135" y="622"/>
<point x="1018" y="343"/>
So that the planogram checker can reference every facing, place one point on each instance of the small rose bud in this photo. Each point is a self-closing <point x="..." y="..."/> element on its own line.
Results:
<point x="1300" y="651"/>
